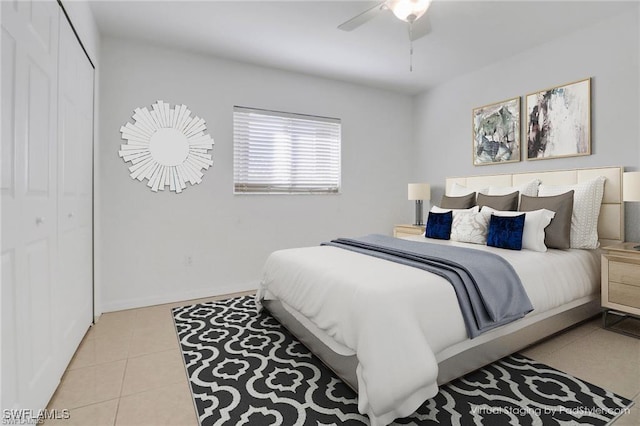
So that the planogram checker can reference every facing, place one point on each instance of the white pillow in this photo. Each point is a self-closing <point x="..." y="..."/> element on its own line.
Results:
<point x="534" y="223"/>
<point x="436" y="209"/>
<point x="529" y="188"/>
<point x="470" y="226"/>
<point x="458" y="190"/>
<point x="587" y="199"/>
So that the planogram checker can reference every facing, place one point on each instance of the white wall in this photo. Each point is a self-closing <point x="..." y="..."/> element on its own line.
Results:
<point x="145" y="237"/>
<point x="607" y="52"/>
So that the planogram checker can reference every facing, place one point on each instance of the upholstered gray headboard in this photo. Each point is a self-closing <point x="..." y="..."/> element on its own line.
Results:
<point x="611" y="220"/>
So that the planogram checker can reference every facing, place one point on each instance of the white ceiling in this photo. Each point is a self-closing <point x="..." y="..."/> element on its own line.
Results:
<point x="302" y="36"/>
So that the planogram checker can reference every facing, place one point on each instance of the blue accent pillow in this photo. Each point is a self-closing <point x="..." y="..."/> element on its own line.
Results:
<point x="506" y="232"/>
<point x="439" y="225"/>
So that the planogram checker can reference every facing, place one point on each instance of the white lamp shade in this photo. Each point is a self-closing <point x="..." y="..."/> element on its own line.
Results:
<point x="419" y="191"/>
<point x="408" y="10"/>
<point x="631" y="186"/>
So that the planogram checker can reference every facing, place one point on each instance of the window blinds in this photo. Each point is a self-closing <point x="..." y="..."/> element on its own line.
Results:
<point x="278" y="152"/>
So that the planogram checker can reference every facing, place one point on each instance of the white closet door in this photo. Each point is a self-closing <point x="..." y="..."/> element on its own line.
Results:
<point x="29" y="201"/>
<point x="73" y="295"/>
<point x="47" y="128"/>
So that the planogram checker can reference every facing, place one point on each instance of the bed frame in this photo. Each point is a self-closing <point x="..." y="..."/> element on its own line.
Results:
<point x="611" y="219"/>
<point x="500" y="342"/>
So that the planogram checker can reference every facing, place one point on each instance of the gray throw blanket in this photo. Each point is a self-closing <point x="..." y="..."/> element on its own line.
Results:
<point x="489" y="290"/>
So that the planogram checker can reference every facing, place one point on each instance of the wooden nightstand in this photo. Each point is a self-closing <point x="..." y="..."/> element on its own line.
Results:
<point x="406" y="230"/>
<point x="621" y="286"/>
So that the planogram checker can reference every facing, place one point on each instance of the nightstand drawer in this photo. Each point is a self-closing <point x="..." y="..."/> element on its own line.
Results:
<point x="624" y="273"/>
<point x="400" y="231"/>
<point x="623" y="294"/>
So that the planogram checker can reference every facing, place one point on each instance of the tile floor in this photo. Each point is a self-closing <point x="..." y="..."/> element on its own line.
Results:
<point x="128" y="369"/>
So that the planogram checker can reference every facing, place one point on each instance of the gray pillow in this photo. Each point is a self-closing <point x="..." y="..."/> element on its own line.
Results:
<point x="505" y="203"/>
<point x="558" y="233"/>
<point x="464" y="202"/>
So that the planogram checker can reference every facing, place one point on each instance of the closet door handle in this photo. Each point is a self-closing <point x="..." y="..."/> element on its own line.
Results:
<point x="39" y="220"/>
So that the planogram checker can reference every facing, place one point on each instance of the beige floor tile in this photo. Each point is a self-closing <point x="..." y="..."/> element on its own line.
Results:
<point x="101" y="414"/>
<point x="154" y="317"/>
<point x="604" y="358"/>
<point x="150" y="340"/>
<point x="106" y="348"/>
<point x="548" y="346"/>
<point x="89" y="385"/>
<point x="166" y="406"/>
<point x="632" y="418"/>
<point x="113" y="323"/>
<point x="153" y="371"/>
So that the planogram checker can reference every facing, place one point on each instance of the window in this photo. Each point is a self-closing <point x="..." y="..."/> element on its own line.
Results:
<point x="279" y="152"/>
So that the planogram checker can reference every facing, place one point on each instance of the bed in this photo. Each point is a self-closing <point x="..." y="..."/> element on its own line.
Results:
<point x="320" y="295"/>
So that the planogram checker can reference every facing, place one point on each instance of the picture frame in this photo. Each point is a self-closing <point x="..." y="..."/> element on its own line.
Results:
<point x="558" y="121"/>
<point x="496" y="133"/>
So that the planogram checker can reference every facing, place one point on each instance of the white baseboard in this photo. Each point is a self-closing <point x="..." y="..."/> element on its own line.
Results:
<point x="200" y="293"/>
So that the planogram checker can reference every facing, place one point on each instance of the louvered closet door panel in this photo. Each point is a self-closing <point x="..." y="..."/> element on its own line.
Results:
<point x="74" y="289"/>
<point x="29" y="201"/>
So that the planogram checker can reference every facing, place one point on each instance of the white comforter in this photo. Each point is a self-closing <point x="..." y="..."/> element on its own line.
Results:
<point x="397" y="318"/>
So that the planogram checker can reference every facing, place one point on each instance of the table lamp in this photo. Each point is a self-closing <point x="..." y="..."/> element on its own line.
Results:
<point x="631" y="189"/>
<point x="419" y="192"/>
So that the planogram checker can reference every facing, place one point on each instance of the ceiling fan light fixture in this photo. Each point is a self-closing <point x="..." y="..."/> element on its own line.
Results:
<point x="408" y="10"/>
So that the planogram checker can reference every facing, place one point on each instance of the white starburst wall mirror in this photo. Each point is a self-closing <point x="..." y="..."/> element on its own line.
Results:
<point x="166" y="146"/>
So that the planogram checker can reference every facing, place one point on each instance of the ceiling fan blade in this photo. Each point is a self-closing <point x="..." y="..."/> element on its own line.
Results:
<point x="421" y="28"/>
<point x="360" y="19"/>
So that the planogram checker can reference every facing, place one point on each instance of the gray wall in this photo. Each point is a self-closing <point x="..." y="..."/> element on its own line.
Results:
<point x="607" y="52"/>
<point x="145" y="238"/>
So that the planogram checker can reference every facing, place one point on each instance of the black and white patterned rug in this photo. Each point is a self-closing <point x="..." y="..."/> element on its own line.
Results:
<point x="247" y="369"/>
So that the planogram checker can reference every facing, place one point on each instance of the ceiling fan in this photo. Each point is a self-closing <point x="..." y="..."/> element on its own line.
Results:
<point x="409" y="11"/>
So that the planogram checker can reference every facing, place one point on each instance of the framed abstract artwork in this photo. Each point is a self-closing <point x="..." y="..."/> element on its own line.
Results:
<point x="496" y="133"/>
<point x="559" y="121"/>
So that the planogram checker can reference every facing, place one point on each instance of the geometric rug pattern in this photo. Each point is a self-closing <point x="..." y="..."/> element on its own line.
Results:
<point x="245" y="368"/>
